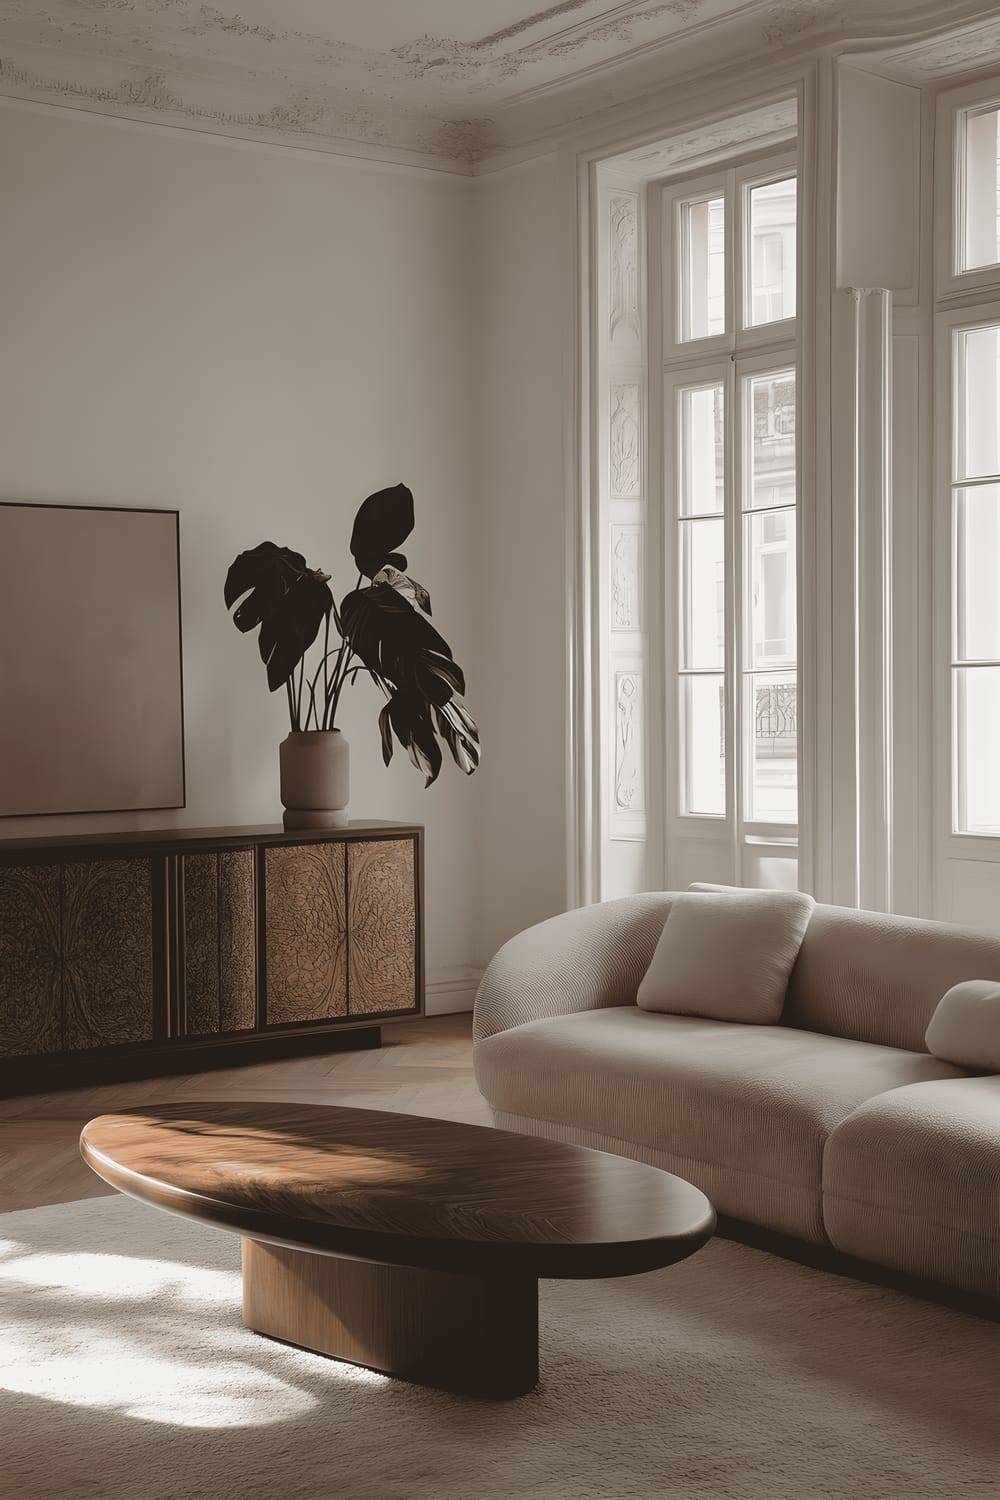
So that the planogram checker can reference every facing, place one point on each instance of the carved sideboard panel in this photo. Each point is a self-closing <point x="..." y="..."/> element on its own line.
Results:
<point x="107" y="922"/>
<point x="220" y="942"/>
<point x="147" y="952"/>
<point x="306" y="932"/>
<point x="382" y="926"/>
<point x="30" y="970"/>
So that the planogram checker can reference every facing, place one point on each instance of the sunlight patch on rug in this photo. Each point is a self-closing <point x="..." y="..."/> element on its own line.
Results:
<point x="144" y="1336"/>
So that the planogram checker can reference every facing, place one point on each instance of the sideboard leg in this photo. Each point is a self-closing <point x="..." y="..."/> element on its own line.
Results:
<point x="473" y="1335"/>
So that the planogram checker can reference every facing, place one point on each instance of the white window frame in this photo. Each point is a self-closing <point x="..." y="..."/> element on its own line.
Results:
<point x="692" y="190"/>
<point x="742" y="350"/>
<point x="950" y="322"/>
<point x="964" y="300"/>
<point x="746" y="178"/>
<point x="949" y="174"/>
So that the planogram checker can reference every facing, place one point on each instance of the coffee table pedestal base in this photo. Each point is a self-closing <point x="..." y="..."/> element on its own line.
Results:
<point x="474" y="1335"/>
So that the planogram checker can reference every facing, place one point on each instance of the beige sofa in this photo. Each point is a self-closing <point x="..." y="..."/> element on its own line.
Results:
<point x="836" y="1126"/>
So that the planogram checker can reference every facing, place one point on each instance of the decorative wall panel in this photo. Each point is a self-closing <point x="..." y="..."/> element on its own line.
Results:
<point x="623" y="321"/>
<point x="305" y="932"/>
<point x="30" y="982"/>
<point x="629" y="781"/>
<point x="625" y="577"/>
<point x="107" y="926"/>
<point x="220" y="942"/>
<point x="382" y="926"/>
<point x="624" y="445"/>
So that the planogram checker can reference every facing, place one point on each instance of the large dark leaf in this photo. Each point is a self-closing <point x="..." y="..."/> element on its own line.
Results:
<point x="408" y="587"/>
<point x="382" y="524"/>
<point x="458" y="730"/>
<point x="288" y="600"/>
<point x="407" y="715"/>
<point x="399" y="645"/>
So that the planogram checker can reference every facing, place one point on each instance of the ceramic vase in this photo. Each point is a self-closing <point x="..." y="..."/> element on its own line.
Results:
<point x="315" y="778"/>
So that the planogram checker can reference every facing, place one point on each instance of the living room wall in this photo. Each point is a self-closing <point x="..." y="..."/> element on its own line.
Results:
<point x="257" y="337"/>
<point x="521" y="566"/>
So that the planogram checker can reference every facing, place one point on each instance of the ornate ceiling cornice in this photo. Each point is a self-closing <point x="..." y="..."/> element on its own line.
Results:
<point x="434" y="100"/>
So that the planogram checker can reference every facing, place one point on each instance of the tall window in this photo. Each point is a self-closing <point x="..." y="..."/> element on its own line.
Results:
<point x="970" y="340"/>
<point x="730" y="500"/>
<point x="975" y="532"/>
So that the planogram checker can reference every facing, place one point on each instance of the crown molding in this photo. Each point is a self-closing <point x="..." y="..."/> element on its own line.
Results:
<point x="399" y="114"/>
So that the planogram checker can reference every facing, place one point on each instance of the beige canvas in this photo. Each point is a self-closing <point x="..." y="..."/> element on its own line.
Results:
<point x="90" y="691"/>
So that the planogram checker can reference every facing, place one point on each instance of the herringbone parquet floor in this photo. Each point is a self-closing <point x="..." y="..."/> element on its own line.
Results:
<point x="424" y="1067"/>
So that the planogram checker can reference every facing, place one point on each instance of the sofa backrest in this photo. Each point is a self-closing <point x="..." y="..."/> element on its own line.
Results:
<point x="877" y="978"/>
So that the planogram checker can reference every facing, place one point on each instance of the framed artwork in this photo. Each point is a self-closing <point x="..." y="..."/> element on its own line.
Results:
<point x="91" y="695"/>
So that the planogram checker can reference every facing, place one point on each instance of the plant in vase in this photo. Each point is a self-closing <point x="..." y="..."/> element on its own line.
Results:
<point x="381" y="629"/>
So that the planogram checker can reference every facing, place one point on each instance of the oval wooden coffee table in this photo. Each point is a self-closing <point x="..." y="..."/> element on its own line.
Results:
<point x="413" y="1246"/>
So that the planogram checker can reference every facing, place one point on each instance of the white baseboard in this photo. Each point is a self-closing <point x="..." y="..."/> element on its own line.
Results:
<point x="452" y="990"/>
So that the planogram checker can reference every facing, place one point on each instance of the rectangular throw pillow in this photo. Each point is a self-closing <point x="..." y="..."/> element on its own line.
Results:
<point x="965" y="1027"/>
<point x="726" y="956"/>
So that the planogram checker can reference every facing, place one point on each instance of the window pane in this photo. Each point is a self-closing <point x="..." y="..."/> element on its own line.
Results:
<point x="703" y="630"/>
<point x="979" y="402"/>
<point x="702" y="449"/>
<point x="981" y="211"/>
<point x="977" y="705"/>
<point x="703" y="268"/>
<point x="769" y="549"/>
<point x="703" y="743"/>
<point x="771" y="260"/>
<point x="772" y="793"/>
<point x="977" y="573"/>
<point x="771" y="417"/>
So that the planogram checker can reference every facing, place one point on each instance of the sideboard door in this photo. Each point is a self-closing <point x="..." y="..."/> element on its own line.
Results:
<point x="305" y="925"/>
<point x="382" y="926"/>
<point x="219" y="933"/>
<point x="107" y="929"/>
<point x="30" y="973"/>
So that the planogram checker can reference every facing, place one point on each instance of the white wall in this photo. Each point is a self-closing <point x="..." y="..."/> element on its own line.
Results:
<point x="520" y="565"/>
<point x="259" y="338"/>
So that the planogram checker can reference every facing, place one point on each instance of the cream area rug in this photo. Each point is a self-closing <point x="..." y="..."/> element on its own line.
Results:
<point x="126" y="1374"/>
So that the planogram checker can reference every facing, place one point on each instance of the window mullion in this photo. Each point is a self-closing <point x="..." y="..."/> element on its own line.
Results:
<point x="734" y="625"/>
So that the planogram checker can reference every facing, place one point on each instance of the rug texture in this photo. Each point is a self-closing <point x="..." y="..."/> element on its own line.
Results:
<point x="126" y="1374"/>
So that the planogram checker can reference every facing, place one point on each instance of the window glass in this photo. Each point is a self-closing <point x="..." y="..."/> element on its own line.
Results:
<point x="703" y="741"/>
<point x="702" y="447"/>
<point x="977" y="573"/>
<point x="771" y="259"/>
<point x="772" y="722"/>
<point x="979" y="402"/>
<point x="703" y="267"/>
<point x="980" y="212"/>
<point x="703" y="628"/>
<point x="770" y="555"/>
<point x="772" y="438"/>
<point x="977" y="706"/>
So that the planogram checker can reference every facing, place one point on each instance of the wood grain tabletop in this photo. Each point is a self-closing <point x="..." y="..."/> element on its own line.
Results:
<point x="401" y="1189"/>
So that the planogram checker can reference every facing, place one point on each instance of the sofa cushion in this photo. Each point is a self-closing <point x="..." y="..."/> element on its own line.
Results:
<point x="726" y="956"/>
<point x="741" y="1111"/>
<point x="965" y="1027"/>
<point x="911" y="1180"/>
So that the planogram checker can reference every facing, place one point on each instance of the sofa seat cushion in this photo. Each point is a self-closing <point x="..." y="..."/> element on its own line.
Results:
<point x="911" y="1180"/>
<point x="742" y="1111"/>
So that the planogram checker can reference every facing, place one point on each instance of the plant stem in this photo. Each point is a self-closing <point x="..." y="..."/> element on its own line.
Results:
<point x="298" y="699"/>
<point x="291" y="705"/>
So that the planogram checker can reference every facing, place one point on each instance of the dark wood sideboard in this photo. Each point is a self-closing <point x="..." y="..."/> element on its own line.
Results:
<point x="130" y="954"/>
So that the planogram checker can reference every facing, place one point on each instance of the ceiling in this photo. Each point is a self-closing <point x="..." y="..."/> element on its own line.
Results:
<point x="442" y="82"/>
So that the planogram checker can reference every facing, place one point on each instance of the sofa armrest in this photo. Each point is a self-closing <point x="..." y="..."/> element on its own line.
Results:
<point x="586" y="959"/>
